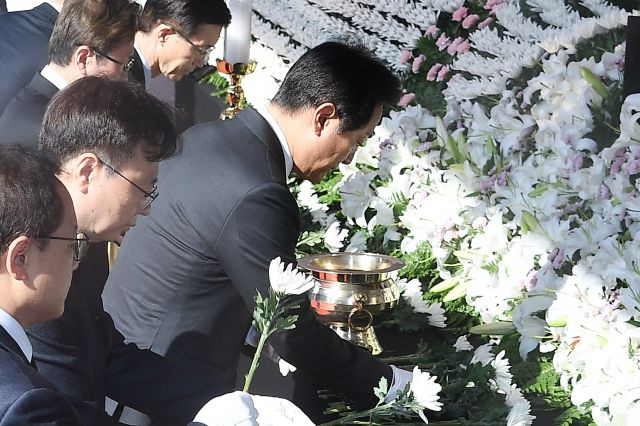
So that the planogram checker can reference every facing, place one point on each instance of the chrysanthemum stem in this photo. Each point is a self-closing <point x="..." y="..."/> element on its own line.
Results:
<point x="353" y="416"/>
<point x="256" y="358"/>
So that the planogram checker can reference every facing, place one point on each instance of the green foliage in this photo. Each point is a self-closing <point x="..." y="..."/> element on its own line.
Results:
<point x="218" y="82"/>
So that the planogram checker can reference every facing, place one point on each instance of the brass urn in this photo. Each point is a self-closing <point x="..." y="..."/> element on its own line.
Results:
<point x="353" y="292"/>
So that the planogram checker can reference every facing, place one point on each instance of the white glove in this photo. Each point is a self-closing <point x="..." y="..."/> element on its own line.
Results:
<point x="401" y="378"/>
<point x="241" y="409"/>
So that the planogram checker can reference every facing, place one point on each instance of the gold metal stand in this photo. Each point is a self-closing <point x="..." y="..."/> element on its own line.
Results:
<point x="235" y="95"/>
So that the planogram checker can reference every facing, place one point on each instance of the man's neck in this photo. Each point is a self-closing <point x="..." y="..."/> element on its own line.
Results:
<point x="146" y="44"/>
<point x="57" y="4"/>
<point x="67" y="73"/>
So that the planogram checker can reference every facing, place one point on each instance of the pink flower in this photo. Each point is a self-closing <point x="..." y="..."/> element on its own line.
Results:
<point x="485" y="23"/>
<point x="417" y="63"/>
<point x="463" y="47"/>
<point x="470" y="21"/>
<point x="432" y="31"/>
<point x="406" y="99"/>
<point x="453" y="47"/>
<point x="442" y="73"/>
<point x="442" y="42"/>
<point x="405" y="56"/>
<point x="492" y="4"/>
<point x="433" y="72"/>
<point x="459" y="14"/>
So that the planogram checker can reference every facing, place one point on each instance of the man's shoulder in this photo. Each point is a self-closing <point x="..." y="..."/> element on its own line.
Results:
<point x="18" y="377"/>
<point x="22" y="118"/>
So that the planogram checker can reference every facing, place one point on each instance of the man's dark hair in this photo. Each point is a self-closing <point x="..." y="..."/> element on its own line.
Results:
<point x="110" y="118"/>
<point x="103" y="25"/>
<point x="184" y="15"/>
<point x="347" y="75"/>
<point x="29" y="200"/>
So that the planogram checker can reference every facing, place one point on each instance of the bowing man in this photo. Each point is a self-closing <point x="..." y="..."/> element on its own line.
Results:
<point x="190" y="299"/>
<point x="23" y="46"/>
<point x="176" y="37"/>
<point x="90" y="37"/>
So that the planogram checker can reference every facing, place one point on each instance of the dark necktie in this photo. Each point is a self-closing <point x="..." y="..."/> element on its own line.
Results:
<point x="33" y="363"/>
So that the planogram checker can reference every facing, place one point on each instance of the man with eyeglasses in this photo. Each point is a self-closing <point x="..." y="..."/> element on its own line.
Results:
<point x="90" y="37"/>
<point x="39" y="249"/>
<point x="175" y="37"/>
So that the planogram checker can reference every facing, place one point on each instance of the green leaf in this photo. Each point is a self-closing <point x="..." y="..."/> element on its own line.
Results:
<point x="382" y="390"/>
<point x="445" y="285"/>
<point x="529" y="220"/>
<point x="494" y="328"/>
<point x="594" y="81"/>
<point x="457" y="292"/>
<point x="538" y="191"/>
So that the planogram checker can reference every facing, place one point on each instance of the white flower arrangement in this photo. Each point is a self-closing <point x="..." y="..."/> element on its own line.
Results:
<point x="537" y="216"/>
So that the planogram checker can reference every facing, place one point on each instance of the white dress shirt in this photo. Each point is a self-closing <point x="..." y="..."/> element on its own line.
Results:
<point x="53" y="77"/>
<point x="145" y="66"/>
<point x="288" y="159"/>
<point x="16" y="332"/>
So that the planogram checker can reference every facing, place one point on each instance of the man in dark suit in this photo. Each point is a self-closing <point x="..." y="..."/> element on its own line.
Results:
<point x="23" y="46"/>
<point x="90" y="37"/>
<point x="40" y="248"/>
<point x="176" y="37"/>
<point x="226" y="212"/>
<point x="109" y="136"/>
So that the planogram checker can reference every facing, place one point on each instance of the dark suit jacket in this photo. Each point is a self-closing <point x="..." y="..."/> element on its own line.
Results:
<point x="186" y="276"/>
<point x="24" y="48"/>
<point x="87" y="359"/>
<point x="21" y="121"/>
<point x="27" y="398"/>
<point x="136" y="73"/>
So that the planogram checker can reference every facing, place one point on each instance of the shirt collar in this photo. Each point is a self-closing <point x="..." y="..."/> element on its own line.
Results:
<point x="288" y="159"/>
<point x="145" y="66"/>
<point x="17" y="333"/>
<point x="53" y="77"/>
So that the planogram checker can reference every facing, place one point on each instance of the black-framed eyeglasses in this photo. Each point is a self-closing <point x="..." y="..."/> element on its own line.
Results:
<point x="80" y="247"/>
<point x="125" y="67"/>
<point x="148" y="196"/>
<point x="202" y="51"/>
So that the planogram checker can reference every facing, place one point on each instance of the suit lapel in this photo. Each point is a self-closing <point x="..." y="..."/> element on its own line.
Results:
<point x="263" y="131"/>
<point x="8" y="344"/>
<point x="43" y="86"/>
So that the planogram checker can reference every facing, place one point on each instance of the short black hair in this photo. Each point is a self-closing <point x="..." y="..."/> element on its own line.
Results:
<point x="343" y="73"/>
<point x="110" y="118"/>
<point x="185" y="15"/>
<point x="100" y="24"/>
<point x="29" y="200"/>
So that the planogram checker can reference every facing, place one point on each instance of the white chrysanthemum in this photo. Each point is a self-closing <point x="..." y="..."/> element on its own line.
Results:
<point x="436" y="315"/>
<point x="425" y="391"/>
<point x="462" y="344"/>
<point x="287" y="279"/>
<point x="520" y="413"/>
<point x="483" y="354"/>
<point x="503" y="376"/>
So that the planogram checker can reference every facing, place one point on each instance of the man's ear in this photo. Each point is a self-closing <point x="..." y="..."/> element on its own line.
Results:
<point x="163" y="31"/>
<point x="17" y="257"/>
<point x="81" y="56"/>
<point x="82" y="171"/>
<point x="323" y="117"/>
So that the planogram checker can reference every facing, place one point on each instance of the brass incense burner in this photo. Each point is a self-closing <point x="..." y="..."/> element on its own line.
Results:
<point x="353" y="292"/>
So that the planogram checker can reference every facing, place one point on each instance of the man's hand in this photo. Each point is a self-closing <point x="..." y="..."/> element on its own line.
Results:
<point x="242" y="409"/>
